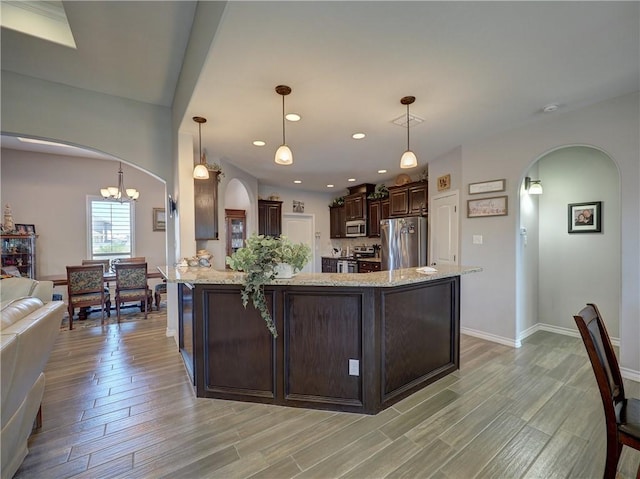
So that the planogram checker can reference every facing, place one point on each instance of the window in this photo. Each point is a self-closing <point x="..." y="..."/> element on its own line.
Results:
<point x="111" y="227"/>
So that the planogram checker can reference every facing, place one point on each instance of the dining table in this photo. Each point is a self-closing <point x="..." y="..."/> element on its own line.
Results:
<point x="61" y="280"/>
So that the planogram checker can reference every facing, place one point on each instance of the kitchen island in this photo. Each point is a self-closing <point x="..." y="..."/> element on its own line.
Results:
<point x="346" y="342"/>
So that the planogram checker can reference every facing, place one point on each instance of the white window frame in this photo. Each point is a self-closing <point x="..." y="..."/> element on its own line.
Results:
<point x="89" y="223"/>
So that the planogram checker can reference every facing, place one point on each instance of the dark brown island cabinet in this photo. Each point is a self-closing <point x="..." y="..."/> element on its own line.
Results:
<point x="359" y="345"/>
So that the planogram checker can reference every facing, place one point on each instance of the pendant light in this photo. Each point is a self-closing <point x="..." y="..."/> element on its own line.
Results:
<point x="408" y="159"/>
<point x="200" y="172"/>
<point x="284" y="156"/>
<point x="120" y="193"/>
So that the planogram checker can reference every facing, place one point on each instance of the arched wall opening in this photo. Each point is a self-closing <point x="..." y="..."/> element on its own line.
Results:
<point x="559" y="271"/>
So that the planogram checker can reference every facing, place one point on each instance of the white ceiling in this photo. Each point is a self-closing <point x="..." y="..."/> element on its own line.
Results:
<point x="475" y="68"/>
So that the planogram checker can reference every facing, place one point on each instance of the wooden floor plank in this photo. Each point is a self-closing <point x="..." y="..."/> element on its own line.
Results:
<point x="118" y="403"/>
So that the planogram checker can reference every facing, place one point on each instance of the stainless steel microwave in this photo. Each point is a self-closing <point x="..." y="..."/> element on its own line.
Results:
<point x="356" y="228"/>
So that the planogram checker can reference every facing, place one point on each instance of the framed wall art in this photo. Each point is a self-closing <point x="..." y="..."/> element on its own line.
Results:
<point x="495" y="206"/>
<point x="487" y="186"/>
<point x="585" y="217"/>
<point x="444" y="182"/>
<point x="159" y="219"/>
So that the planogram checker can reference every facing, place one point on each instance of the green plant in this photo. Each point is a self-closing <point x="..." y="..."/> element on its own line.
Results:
<point x="380" y="192"/>
<point x="339" y="201"/>
<point x="257" y="259"/>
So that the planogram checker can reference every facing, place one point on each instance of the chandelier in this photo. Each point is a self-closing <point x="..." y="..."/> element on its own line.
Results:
<point x="120" y="193"/>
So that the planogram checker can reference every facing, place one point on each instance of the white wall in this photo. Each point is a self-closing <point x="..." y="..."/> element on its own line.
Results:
<point x="136" y="132"/>
<point x="488" y="302"/>
<point x="578" y="268"/>
<point x="528" y="251"/>
<point x="50" y="191"/>
<point x="316" y="204"/>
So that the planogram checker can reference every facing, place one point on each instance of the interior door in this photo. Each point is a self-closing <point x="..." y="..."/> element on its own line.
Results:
<point x="444" y="229"/>
<point x="299" y="228"/>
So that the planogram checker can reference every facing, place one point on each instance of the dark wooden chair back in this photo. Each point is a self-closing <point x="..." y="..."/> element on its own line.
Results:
<point x="85" y="287"/>
<point x="132" y="285"/>
<point x="622" y="415"/>
<point x="134" y="259"/>
<point x="103" y="262"/>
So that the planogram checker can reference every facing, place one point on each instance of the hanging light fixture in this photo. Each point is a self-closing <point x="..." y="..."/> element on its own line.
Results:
<point x="120" y="193"/>
<point x="200" y="172"/>
<point x="408" y="159"/>
<point x="284" y="156"/>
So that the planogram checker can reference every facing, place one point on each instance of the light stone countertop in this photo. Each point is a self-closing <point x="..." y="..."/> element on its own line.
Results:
<point x="378" y="279"/>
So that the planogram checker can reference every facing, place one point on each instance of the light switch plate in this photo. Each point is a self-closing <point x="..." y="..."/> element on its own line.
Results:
<point x="477" y="239"/>
<point x="354" y="367"/>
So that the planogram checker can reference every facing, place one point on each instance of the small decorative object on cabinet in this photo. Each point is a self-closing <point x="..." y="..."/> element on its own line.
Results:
<point x="269" y="217"/>
<point x="236" y="221"/>
<point x="19" y="252"/>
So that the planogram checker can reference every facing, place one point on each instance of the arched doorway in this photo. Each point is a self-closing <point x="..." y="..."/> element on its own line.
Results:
<point x="559" y="270"/>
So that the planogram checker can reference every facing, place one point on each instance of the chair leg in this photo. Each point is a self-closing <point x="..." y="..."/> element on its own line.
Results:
<point x="118" y="310"/>
<point x="157" y="297"/>
<point x="71" y="308"/>
<point x="108" y="303"/>
<point x="613" y="455"/>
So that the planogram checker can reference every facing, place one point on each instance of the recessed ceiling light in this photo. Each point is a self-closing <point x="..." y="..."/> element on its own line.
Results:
<point x="351" y="179"/>
<point x="551" y="107"/>
<point x="297" y="182"/>
<point x="329" y="186"/>
<point x="259" y="143"/>
<point x="382" y="171"/>
<point x="358" y="136"/>
<point x="293" y="117"/>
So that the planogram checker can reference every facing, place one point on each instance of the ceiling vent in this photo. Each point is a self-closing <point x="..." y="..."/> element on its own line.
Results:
<point x="402" y="120"/>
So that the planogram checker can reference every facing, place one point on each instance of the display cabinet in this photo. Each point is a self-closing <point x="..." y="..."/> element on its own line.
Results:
<point x="236" y="221"/>
<point x="19" y="254"/>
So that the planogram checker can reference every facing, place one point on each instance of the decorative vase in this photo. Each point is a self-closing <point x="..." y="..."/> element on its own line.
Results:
<point x="283" y="271"/>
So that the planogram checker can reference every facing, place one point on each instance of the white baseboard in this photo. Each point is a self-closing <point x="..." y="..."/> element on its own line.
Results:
<point x="490" y="337"/>
<point x="170" y="333"/>
<point x="630" y="374"/>
<point x="626" y="373"/>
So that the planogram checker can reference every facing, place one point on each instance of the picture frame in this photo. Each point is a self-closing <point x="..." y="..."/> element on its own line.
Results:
<point x="444" y="182"/>
<point x="159" y="219"/>
<point x="585" y="217"/>
<point x="482" y="207"/>
<point x="298" y="206"/>
<point x="25" y="229"/>
<point x="491" y="186"/>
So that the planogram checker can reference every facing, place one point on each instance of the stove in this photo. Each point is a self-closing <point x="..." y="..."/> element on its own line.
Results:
<point x="363" y="252"/>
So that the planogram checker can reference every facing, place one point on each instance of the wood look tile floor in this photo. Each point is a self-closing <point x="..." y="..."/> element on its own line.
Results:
<point x="118" y="403"/>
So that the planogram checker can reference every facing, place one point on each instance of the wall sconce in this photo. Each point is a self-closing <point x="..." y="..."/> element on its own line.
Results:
<point x="172" y="205"/>
<point x="533" y="187"/>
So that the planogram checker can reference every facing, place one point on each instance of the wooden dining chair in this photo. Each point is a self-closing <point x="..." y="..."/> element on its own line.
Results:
<point x="622" y="414"/>
<point x="85" y="287"/>
<point x="131" y="285"/>
<point x="133" y="259"/>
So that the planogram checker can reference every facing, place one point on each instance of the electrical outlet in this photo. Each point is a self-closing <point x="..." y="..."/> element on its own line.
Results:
<point x="477" y="239"/>
<point x="354" y="367"/>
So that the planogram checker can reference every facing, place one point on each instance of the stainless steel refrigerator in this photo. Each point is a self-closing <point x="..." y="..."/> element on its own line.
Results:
<point x="404" y="242"/>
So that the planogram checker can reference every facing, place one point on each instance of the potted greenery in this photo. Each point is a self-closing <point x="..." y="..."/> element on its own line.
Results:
<point x="261" y="260"/>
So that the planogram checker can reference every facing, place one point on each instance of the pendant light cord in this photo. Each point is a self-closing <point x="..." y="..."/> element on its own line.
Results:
<point x="283" y="141"/>
<point x="407" y="126"/>
<point x="200" y="141"/>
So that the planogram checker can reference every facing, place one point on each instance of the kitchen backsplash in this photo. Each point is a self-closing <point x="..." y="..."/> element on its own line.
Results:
<point x="342" y="244"/>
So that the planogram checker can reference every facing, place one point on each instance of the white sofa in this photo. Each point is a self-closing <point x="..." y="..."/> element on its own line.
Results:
<point x="28" y="331"/>
<point x="12" y="288"/>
